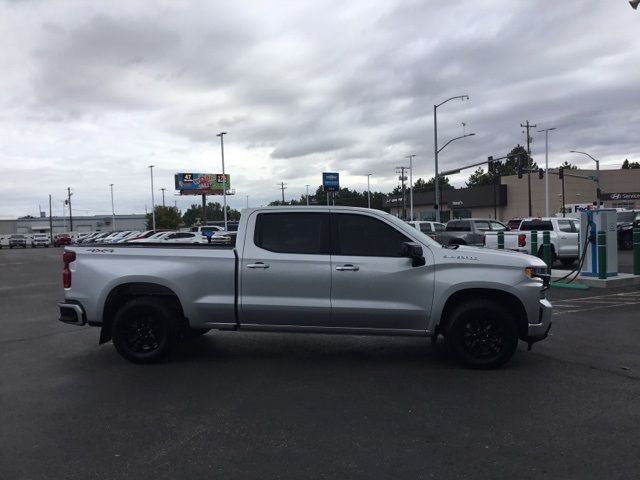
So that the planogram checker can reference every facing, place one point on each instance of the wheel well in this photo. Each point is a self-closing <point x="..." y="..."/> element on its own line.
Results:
<point x="123" y="293"/>
<point x="507" y="300"/>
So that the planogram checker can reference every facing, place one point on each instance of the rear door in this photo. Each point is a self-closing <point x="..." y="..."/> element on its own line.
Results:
<point x="286" y="270"/>
<point x="373" y="286"/>
<point x="567" y="239"/>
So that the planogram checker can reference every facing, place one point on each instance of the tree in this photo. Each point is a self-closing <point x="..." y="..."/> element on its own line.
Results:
<point x="568" y="166"/>
<point x="166" y="217"/>
<point x="626" y="165"/>
<point x="194" y="216"/>
<point x="508" y="166"/>
<point x="420" y="186"/>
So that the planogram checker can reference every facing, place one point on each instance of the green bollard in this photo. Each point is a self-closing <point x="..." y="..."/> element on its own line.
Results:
<point x="602" y="255"/>
<point x="500" y="240"/>
<point x="546" y="249"/>
<point x="534" y="243"/>
<point x="636" y="251"/>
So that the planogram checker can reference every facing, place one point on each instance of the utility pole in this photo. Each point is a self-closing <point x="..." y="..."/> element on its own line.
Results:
<point x="282" y="186"/>
<point x="528" y="126"/>
<point x="163" y="189"/>
<point x="70" y="214"/>
<point x="402" y="178"/>
<point x="50" y="219"/>
<point x="410" y="157"/>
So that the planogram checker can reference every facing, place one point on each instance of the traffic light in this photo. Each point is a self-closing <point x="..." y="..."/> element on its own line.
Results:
<point x="561" y="173"/>
<point x="541" y="173"/>
<point x="492" y="168"/>
<point x="519" y="168"/>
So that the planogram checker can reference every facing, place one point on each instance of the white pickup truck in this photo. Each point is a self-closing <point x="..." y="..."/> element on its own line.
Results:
<point x="563" y="236"/>
<point x="309" y="269"/>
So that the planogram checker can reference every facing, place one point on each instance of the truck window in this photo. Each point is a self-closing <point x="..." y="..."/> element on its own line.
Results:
<point x="482" y="225"/>
<point x="458" y="226"/>
<point x="497" y="227"/>
<point x="439" y="227"/>
<point x="539" y="225"/>
<point x="425" y="228"/>
<point x="303" y="233"/>
<point x="363" y="236"/>
<point x="565" y="226"/>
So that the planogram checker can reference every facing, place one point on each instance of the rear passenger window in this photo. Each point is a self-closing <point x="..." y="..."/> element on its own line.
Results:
<point x="363" y="236"/>
<point x="425" y="228"/>
<point x="565" y="226"/>
<point x="482" y="226"/>
<point x="303" y="233"/>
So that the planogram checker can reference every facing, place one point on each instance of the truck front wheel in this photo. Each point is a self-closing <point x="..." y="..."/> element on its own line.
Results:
<point x="481" y="334"/>
<point x="145" y="330"/>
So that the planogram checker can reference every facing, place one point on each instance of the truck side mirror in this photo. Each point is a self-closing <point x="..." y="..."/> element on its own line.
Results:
<point x="413" y="251"/>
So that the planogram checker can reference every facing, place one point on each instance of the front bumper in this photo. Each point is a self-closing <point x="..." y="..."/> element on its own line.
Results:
<point x="540" y="331"/>
<point x="72" y="313"/>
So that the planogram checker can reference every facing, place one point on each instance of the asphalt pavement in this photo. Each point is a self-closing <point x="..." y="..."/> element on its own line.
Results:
<point x="253" y="405"/>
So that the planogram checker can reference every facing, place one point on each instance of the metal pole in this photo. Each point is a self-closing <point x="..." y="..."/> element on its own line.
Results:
<point x="64" y="218"/>
<point x="563" y="207"/>
<point x="163" y="189"/>
<point x="153" y="201"/>
<point x="247" y="201"/>
<point x="435" y="156"/>
<point x="368" y="190"/>
<point x="50" y="220"/>
<point x="224" y="176"/>
<point x="307" y="194"/>
<point x="598" y="182"/>
<point x="113" y="213"/>
<point x="410" y="157"/>
<point x="546" y="167"/>
<point x="70" y="214"/>
<point x="204" y="209"/>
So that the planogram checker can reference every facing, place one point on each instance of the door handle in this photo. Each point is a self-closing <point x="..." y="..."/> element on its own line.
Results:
<point x="258" y="265"/>
<point x="348" y="268"/>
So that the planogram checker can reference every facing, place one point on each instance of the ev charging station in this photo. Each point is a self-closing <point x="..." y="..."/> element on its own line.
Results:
<point x="592" y="222"/>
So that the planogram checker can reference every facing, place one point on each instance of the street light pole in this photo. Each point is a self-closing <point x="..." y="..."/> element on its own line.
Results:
<point x="436" y="151"/>
<point x="224" y="176"/>
<point x="546" y="167"/>
<point x="153" y="201"/>
<point x="368" y="190"/>
<point x="307" y="194"/>
<point x="597" y="174"/>
<point x="163" y="189"/>
<point x="113" y="212"/>
<point x="410" y="157"/>
<point x="247" y="201"/>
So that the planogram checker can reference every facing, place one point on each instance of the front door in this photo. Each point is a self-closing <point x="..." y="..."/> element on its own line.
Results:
<point x="373" y="286"/>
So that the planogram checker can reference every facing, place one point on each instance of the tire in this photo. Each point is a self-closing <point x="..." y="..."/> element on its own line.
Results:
<point x="481" y="334"/>
<point x="145" y="330"/>
<point x="627" y="242"/>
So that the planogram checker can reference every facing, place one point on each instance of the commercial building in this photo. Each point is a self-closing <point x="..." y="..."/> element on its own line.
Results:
<point x="619" y="189"/>
<point x="94" y="223"/>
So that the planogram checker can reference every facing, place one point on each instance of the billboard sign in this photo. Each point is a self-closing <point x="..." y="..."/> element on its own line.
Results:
<point x="202" y="183"/>
<point x="331" y="181"/>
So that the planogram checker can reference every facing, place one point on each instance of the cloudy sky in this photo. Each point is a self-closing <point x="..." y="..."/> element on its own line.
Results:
<point x="94" y="92"/>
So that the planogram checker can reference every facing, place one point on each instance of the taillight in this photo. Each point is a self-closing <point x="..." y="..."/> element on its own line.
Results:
<point x="522" y="240"/>
<point x="67" y="258"/>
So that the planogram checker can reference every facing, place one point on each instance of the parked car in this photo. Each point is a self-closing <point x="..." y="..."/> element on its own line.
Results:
<point x="204" y="230"/>
<point x="625" y="225"/>
<point x="468" y="231"/>
<point x="183" y="237"/>
<point x="224" y="238"/>
<point x="563" y="235"/>
<point x="331" y="270"/>
<point x="61" y="239"/>
<point x="427" y="227"/>
<point x="98" y="238"/>
<point x="18" y="240"/>
<point x="40" y="240"/>
<point x="156" y="237"/>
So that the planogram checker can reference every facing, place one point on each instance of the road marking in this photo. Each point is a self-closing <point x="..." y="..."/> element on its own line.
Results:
<point x="28" y="285"/>
<point x="596" y="302"/>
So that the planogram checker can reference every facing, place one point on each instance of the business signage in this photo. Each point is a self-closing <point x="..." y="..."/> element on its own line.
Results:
<point x="331" y="181"/>
<point x="202" y="183"/>
<point x="620" y="196"/>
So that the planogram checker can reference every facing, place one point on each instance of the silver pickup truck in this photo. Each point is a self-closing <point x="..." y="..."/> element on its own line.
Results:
<point x="309" y="269"/>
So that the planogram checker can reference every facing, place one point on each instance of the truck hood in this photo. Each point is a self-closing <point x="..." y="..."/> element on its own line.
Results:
<point x="485" y="256"/>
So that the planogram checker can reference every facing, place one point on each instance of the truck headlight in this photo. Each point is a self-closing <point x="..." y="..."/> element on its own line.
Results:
<point x="538" y="273"/>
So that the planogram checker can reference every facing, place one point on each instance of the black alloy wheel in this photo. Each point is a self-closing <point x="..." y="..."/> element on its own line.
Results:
<point x="144" y="330"/>
<point x="481" y="334"/>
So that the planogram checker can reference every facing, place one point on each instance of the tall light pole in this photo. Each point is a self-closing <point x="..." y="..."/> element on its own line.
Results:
<point x="153" y="201"/>
<point x="402" y="178"/>
<point x="369" y="190"/>
<point x="307" y="194"/>
<point x="113" y="212"/>
<point x="410" y="157"/>
<point x="224" y="175"/>
<point x="436" y="151"/>
<point x="162" y="190"/>
<point x="247" y="200"/>
<point x="597" y="173"/>
<point x="546" y="168"/>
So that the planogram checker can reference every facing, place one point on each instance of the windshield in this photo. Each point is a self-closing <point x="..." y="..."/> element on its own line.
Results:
<point x="409" y="230"/>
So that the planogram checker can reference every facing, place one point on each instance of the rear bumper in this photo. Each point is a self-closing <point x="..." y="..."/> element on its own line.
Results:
<point x="72" y="313"/>
<point x="540" y="331"/>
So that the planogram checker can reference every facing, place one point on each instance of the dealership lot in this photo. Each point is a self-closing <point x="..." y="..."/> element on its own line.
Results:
<point x="240" y="405"/>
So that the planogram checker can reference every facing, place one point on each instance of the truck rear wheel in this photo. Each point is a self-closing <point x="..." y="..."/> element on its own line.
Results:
<point x="145" y="330"/>
<point x="481" y="334"/>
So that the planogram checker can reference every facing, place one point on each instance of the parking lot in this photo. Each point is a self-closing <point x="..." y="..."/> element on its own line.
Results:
<point x="257" y="405"/>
